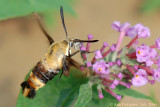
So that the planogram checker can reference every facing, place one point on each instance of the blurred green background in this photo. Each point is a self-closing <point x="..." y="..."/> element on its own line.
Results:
<point x="22" y="43"/>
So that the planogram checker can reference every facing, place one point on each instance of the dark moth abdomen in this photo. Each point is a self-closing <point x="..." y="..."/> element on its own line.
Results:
<point x="37" y="79"/>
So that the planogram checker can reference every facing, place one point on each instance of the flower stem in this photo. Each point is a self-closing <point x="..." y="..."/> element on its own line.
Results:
<point x="113" y="94"/>
<point x="153" y="46"/>
<point x="132" y="55"/>
<point x="130" y="69"/>
<point x="131" y="42"/>
<point x="122" y="34"/>
<point x="149" y="71"/>
<point x="106" y="53"/>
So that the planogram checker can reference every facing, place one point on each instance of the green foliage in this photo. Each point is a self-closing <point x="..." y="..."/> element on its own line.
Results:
<point x="64" y="93"/>
<point x="132" y="93"/>
<point x="85" y="95"/>
<point x="74" y="91"/>
<point x="54" y="93"/>
<point x="17" y="8"/>
<point x="107" y="101"/>
<point x="150" y="5"/>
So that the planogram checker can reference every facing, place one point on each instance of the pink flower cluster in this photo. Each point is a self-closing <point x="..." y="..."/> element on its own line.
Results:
<point x="129" y="66"/>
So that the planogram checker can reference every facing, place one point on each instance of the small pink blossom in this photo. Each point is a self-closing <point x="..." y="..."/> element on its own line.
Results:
<point x="143" y="32"/>
<point x="153" y="53"/>
<point x="98" y="54"/>
<point x="114" y="84"/>
<point x="105" y="44"/>
<point x="89" y="64"/>
<point x="100" y="67"/>
<point x="90" y="37"/>
<point x="116" y="25"/>
<point x="125" y="26"/>
<point x="83" y="48"/>
<point x="140" y="78"/>
<point x="120" y="75"/>
<point x="142" y="53"/>
<point x="110" y="63"/>
<point x="100" y="94"/>
<point x="131" y="32"/>
<point x="149" y="62"/>
<point x="156" y="74"/>
<point x="113" y="47"/>
<point x="135" y="67"/>
<point x="118" y="62"/>
<point x="119" y="97"/>
<point x="158" y="43"/>
<point x="158" y="61"/>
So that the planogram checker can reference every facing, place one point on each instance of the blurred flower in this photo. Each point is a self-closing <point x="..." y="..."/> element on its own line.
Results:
<point x="89" y="64"/>
<point x="113" y="47"/>
<point x="130" y="65"/>
<point x="142" y="53"/>
<point x="139" y="78"/>
<point x="116" y="25"/>
<point x="153" y="53"/>
<point x="156" y="74"/>
<point x="100" y="94"/>
<point x="143" y="32"/>
<point x="90" y="37"/>
<point x="98" y="54"/>
<point x="100" y="67"/>
<point x="158" y="43"/>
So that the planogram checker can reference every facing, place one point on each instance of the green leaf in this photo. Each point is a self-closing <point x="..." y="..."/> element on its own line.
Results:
<point x="130" y="92"/>
<point x="107" y="101"/>
<point x="55" y="93"/>
<point x="16" y="8"/>
<point x="65" y="93"/>
<point x="85" y="95"/>
<point x="150" y="5"/>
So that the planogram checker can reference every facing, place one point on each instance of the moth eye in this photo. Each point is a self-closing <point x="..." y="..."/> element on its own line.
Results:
<point x="77" y="45"/>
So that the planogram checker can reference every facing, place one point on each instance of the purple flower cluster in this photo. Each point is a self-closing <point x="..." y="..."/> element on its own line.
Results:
<point x="100" y="67"/>
<point x="137" y="61"/>
<point x="132" y="31"/>
<point x="146" y="54"/>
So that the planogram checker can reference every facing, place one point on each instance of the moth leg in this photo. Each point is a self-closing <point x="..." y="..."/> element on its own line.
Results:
<point x="78" y="52"/>
<point x="65" y="68"/>
<point x="74" y="53"/>
<point x="50" y="39"/>
<point x="74" y="63"/>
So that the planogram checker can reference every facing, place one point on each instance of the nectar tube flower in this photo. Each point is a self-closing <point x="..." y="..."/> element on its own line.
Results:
<point x="131" y="32"/>
<point x="143" y="32"/>
<point x="116" y="25"/>
<point x="156" y="74"/>
<point x="89" y="64"/>
<point x="100" y="94"/>
<point x="158" y="43"/>
<point x="153" y="53"/>
<point x="158" y="61"/>
<point x="142" y="53"/>
<point x="100" y="67"/>
<point x="140" y="78"/>
<point x="98" y="54"/>
<point x="130" y="65"/>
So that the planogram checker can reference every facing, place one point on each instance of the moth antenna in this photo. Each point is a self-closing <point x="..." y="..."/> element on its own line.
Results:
<point x="37" y="17"/>
<point x="62" y="18"/>
<point x="87" y="52"/>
